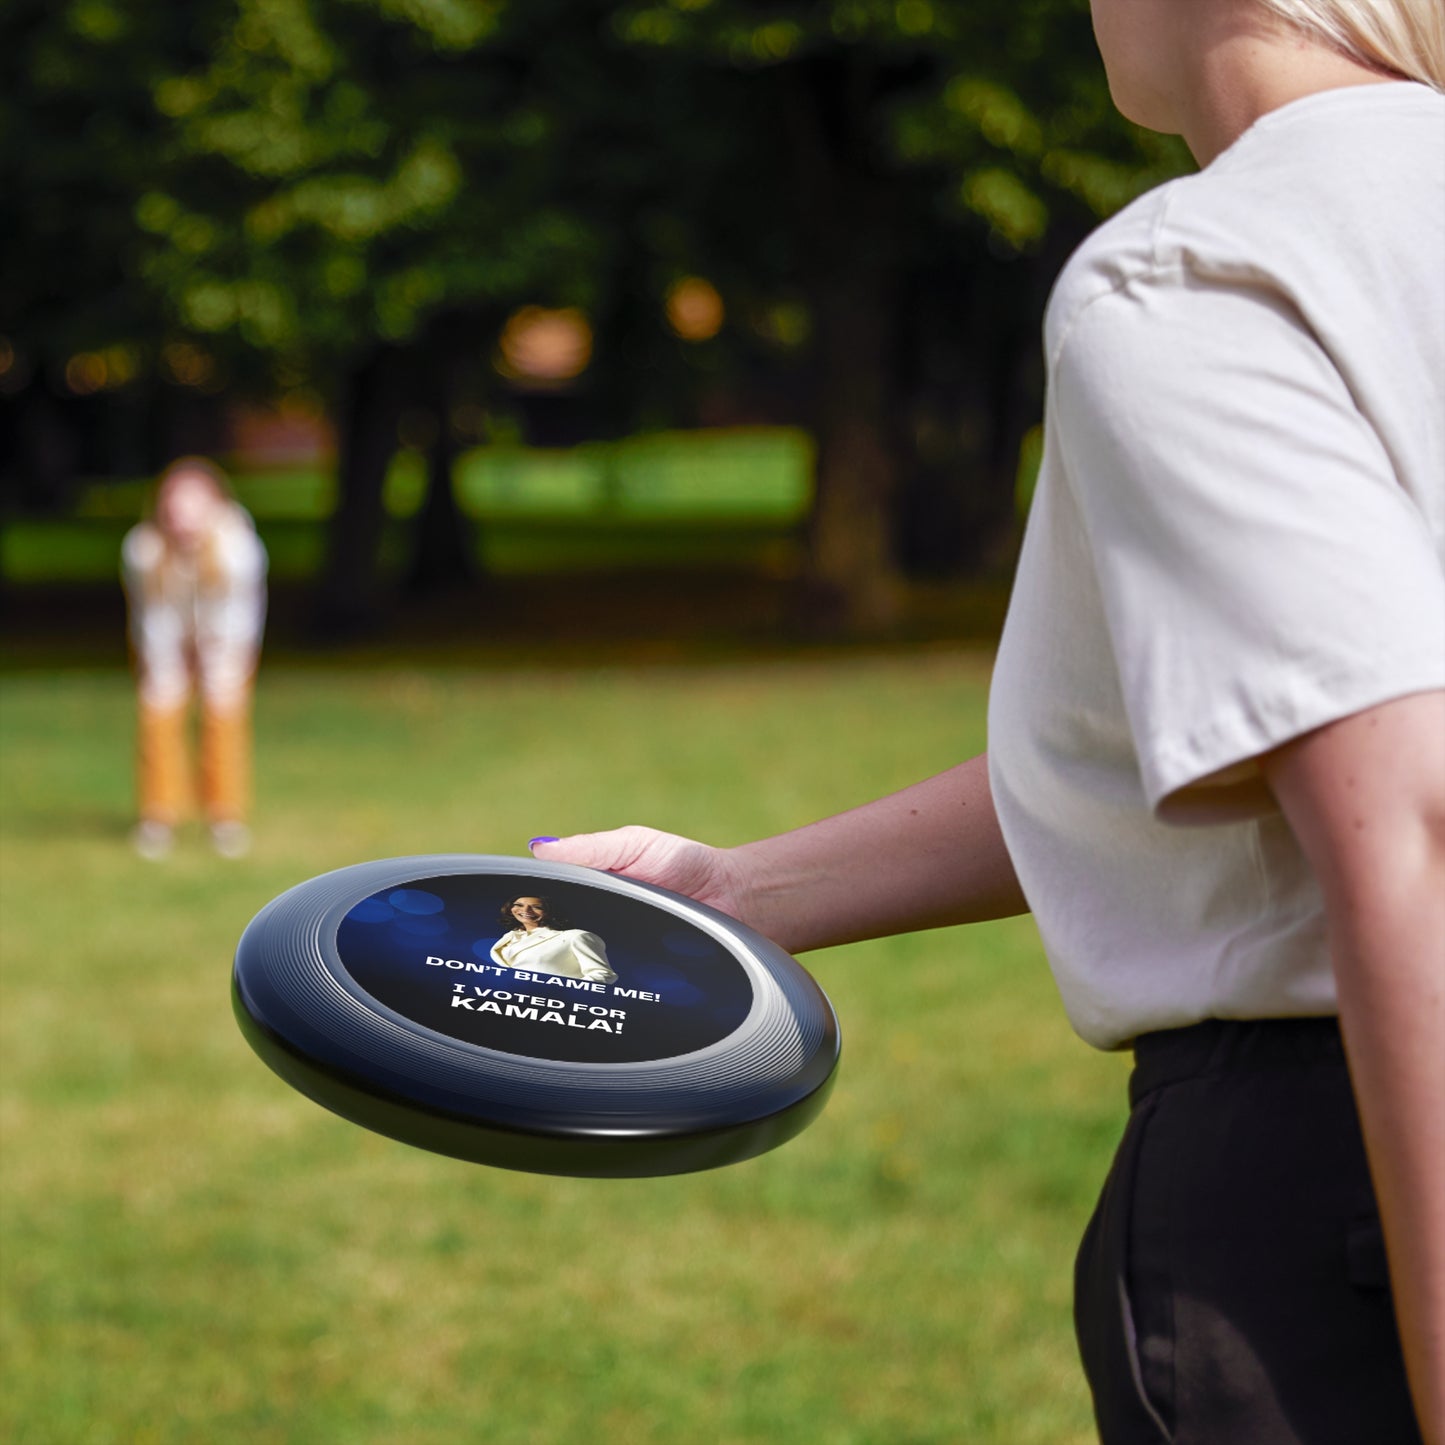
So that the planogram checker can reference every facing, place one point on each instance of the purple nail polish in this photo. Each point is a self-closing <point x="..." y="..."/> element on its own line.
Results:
<point x="532" y="843"/>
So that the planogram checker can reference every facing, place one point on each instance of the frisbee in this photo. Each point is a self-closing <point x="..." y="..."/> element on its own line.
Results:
<point x="535" y="1016"/>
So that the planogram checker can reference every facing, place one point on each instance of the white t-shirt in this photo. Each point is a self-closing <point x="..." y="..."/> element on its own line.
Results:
<point x="1238" y="536"/>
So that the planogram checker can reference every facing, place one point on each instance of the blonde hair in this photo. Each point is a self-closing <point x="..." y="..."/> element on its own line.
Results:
<point x="1404" y="37"/>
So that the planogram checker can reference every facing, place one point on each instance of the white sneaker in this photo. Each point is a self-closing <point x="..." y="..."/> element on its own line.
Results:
<point x="152" y="840"/>
<point x="231" y="839"/>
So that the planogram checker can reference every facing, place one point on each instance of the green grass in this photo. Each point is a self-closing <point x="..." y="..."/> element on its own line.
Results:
<point x="87" y="550"/>
<point x="730" y="497"/>
<point x="193" y="1253"/>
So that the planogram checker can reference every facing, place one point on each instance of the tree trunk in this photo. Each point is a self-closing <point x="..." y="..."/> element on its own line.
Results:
<point x="349" y="602"/>
<point x="851" y="264"/>
<point x="46" y="451"/>
<point x="442" y="557"/>
<point x="852" y="562"/>
<point x="974" y="387"/>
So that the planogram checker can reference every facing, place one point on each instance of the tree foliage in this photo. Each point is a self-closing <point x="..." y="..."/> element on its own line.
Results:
<point x="353" y="194"/>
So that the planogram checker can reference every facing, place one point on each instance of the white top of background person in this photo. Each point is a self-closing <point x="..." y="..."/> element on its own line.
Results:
<point x="538" y="948"/>
<point x="194" y="575"/>
<point x="1321" y="252"/>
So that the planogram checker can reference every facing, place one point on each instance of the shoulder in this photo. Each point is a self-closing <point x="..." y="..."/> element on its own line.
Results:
<point x="1308" y="204"/>
<point x="143" y="549"/>
<point x="1113" y="257"/>
<point x="239" y="548"/>
<point x="1192" y="231"/>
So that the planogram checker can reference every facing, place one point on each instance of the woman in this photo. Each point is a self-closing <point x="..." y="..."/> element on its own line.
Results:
<point x="194" y="576"/>
<point x="542" y="942"/>
<point x="1217" y="760"/>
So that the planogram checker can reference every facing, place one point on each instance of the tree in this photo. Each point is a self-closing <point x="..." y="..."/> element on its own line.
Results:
<point x="352" y="195"/>
<point x="921" y="142"/>
<point x="79" y="139"/>
<point x="359" y="181"/>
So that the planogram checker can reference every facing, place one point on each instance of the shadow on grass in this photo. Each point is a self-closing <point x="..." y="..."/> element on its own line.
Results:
<point x="65" y="824"/>
<point x="572" y="620"/>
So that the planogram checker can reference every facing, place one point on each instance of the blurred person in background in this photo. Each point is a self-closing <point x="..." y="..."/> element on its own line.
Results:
<point x="195" y="583"/>
<point x="1216" y="766"/>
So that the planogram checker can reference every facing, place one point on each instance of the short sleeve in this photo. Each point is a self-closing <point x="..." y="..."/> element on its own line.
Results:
<point x="1263" y="571"/>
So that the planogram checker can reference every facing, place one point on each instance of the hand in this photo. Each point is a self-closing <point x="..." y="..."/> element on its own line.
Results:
<point x="928" y="857"/>
<point x="679" y="864"/>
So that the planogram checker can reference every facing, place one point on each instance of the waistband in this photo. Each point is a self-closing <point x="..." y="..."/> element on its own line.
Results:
<point x="1225" y="1046"/>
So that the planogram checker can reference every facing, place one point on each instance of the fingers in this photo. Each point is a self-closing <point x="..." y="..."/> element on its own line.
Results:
<point x="613" y="851"/>
<point x="671" y="862"/>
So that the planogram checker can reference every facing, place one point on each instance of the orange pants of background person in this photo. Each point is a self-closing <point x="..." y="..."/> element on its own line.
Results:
<point x="169" y="788"/>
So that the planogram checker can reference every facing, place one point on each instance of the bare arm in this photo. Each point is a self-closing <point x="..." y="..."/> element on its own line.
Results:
<point x="1366" y="799"/>
<point x="927" y="857"/>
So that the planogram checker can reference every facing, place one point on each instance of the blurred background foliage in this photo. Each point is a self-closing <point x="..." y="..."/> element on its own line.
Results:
<point x="443" y="224"/>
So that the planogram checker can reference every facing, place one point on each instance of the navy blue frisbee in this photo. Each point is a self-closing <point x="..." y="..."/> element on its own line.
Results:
<point x="535" y="1016"/>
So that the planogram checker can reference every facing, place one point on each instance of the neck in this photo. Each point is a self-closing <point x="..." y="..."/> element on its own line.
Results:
<point x="1246" y="65"/>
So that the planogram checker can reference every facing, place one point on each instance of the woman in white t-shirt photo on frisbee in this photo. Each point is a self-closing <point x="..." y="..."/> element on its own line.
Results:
<point x="544" y="942"/>
<point x="1216" y="769"/>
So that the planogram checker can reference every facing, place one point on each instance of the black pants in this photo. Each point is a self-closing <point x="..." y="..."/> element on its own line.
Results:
<point x="1231" y="1287"/>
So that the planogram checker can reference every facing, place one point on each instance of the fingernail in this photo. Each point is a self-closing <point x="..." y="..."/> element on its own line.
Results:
<point x="532" y="843"/>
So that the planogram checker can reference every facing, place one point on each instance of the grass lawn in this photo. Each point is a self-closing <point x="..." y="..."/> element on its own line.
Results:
<point x="193" y="1253"/>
